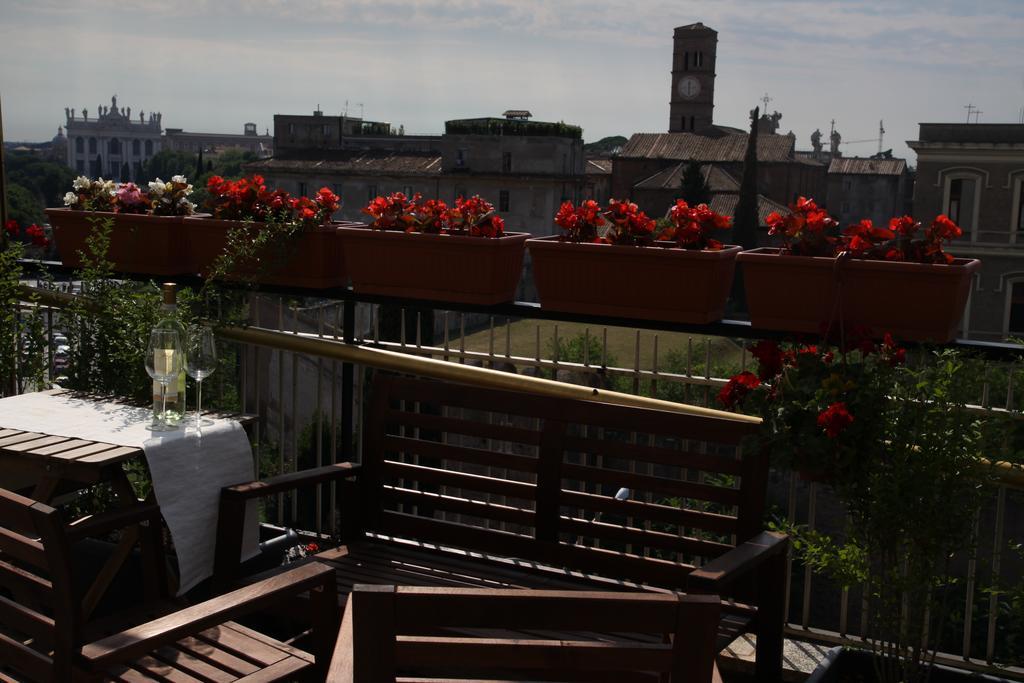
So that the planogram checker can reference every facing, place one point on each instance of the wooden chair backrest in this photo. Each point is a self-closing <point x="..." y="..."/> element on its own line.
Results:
<point x="39" y="618"/>
<point x="455" y="633"/>
<point x="536" y="478"/>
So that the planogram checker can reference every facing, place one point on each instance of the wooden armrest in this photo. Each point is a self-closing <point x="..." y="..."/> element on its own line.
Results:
<point x="737" y="562"/>
<point x="139" y="640"/>
<point x="291" y="480"/>
<point x="105" y="522"/>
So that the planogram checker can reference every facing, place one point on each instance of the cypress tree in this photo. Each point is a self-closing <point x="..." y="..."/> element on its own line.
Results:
<point x="745" y="221"/>
<point x="694" y="188"/>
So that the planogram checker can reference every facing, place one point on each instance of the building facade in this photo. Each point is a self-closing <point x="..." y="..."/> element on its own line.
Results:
<point x="974" y="173"/>
<point x="249" y="140"/>
<point x="868" y="188"/>
<point x="112" y="144"/>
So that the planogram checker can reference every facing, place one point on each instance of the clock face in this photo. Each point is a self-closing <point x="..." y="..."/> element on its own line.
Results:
<point x="689" y="87"/>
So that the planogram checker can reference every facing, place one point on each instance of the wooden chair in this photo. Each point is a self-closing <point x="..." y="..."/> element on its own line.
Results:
<point x="390" y="633"/>
<point x="43" y="636"/>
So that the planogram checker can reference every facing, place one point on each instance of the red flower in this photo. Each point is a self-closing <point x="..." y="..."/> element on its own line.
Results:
<point x="835" y="419"/>
<point x="11" y="226"/>
<point x="312" y="548"/>
<point x="37" y="235"/>
<point x="691" y="226"/>
<point x="804" y="230"/>
<point x="905" y="226"/>
<point x="895" y="354"/>
<point x="580" y="223"/>
<point x="769" y="357"/>
<point x="864" y="237"/>
<point x="629" y="225"/>
<point x="737" y="388"/>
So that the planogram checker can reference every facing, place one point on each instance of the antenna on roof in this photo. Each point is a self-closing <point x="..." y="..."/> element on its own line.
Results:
<point x="881" y="132"/>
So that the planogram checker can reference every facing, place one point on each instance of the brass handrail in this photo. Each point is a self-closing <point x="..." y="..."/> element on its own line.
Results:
<point x="455" y="372"/>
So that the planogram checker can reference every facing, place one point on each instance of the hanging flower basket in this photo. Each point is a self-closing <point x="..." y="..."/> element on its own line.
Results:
<point x="913" y="301"/>
<point x="310" y="259"/>
<point x="439" y="267"/>
<point x="649" y="282"/>
<point x="139" y="243"/>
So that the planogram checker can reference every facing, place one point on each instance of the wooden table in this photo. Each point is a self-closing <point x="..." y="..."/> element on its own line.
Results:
<point x="55" y="465"/>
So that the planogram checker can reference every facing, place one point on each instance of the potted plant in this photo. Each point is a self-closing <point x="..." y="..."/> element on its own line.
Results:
<point x="898" y="448"/>
<point x="267" y="235"/>
<point x="893" y="278"/>
<point x="147" y="223"/>
<point x="613" y="262"/>
<point x="425" y="249"/>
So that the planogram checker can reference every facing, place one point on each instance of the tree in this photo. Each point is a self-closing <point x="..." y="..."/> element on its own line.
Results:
<point x="694" y="188"/>
<point x="23" y="206"/>
<point x="167" y="163"/>
<point x="745" y="221"/>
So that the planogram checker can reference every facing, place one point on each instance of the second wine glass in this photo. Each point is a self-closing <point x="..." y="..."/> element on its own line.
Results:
<point x="200" y="362"/>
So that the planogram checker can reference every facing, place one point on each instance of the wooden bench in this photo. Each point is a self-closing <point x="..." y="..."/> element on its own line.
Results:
<point x="389" y="632"/>
<point x="468" y="487"/>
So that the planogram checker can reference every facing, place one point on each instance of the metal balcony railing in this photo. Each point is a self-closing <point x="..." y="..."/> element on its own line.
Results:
<point x="302" y="368"/>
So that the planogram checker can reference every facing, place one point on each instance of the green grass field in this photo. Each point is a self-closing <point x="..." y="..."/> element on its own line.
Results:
<point x="521" y="338"/>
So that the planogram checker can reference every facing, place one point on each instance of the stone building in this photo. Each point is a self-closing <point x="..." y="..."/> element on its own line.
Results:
<point x="525" y="168"/>
<point x="875" y="188"/>
<point x="113" y="143"/>
<point x="249" y="140"/>
<point x="974" y="173"/>
<point x="649" y="167"/>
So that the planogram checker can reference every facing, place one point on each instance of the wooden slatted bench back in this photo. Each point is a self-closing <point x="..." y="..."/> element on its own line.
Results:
<point x="536" y="478"/>
<point x="39" y="621"/>
<point x="389" y="632"/>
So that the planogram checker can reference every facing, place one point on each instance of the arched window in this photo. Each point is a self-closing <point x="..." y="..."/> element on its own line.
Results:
<point x="149" y="148"/>
<point x="692" y="127"/>
<point x="136" y="147"/>
<point x="92" y="145"/>
<point x="686" y="61"/>
<point x="80" y="145"/>
<point x="961" y="198"/>
<point x="114" y="146"/>
<point x="1016" y="185"/>
<point x="1013" y="315"/>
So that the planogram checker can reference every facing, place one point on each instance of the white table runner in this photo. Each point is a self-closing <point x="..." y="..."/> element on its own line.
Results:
<point x="188" y="471"/>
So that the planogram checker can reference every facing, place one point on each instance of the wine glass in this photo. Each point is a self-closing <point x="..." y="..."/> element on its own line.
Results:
<point x="200" y="362"/>
<point x="163" y="364"/>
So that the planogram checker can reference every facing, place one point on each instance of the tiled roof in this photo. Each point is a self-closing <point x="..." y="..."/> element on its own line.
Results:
<point x="357" y="163"/>
<point x="726" y="204"/>
<point x="598" y="166"/>
<point x="685" y="146"/>
<point x="672" y="177"/>
<point x="860" y="166"/>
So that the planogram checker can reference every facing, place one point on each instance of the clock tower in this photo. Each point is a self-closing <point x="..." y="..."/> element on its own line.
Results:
<point x="693" y="79"/>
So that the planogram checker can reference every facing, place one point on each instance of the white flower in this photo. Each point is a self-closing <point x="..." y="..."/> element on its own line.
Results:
<point x="188" y="190"/>
<point x="157" y="187"/>
<point x="70" y="199"/>
<point x="179" y="179"/>
<point x="80" y="183"/>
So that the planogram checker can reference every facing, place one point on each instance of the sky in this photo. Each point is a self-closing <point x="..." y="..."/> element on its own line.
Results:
<point x="212" y="65"/>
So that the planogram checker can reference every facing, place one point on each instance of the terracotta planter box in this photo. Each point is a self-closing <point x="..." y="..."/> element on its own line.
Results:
<point x="457" y="268"/>
<point x="312" y="259"/>
<point x="653" y="283"/>
<point x="152" y="245"/>
<point x="913" y="301"/>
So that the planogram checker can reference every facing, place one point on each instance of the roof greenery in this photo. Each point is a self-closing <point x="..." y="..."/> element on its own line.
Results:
<point x="496" y="126"/>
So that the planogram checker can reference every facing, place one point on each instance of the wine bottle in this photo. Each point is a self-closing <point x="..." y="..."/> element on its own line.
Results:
<point x="176" y="389"/>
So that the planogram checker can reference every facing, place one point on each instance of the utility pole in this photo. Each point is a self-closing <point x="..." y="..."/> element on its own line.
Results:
<point x="881" y="132"/>
<point x="970" y="110"/>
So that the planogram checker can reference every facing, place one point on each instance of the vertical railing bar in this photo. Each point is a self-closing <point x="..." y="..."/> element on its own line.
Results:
<point x="972" y="569"/>
<point x="490" y="340"/>
<point x="296" y="426"/>
<point x="586" y="347"/>
<point x="462" y="338"/>
<point x="401" y="326"/>
<point x="319" y="501"/>
<point x="256" y="381"/>
<point x="604" y="348"/>
<point x="997" y="556"/>
<point x="447" y="355"/>
<point x="419" y="330"/>
<point x="812" y="503"/>
<point x="791" y="518"/>
<point x="707" y="371"/>
<point x="348" y="384"/>
<point x="636" y="362"/>
<point x="508" y="338"/>
<point x="280" y="410"/>
<point x="332" y="505"/>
